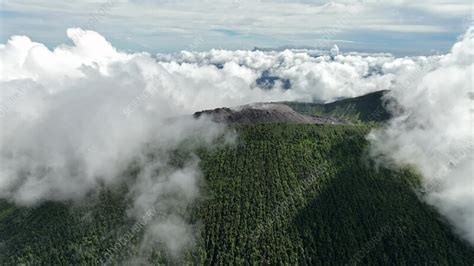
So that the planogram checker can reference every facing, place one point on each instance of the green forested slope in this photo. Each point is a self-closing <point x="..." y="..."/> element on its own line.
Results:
<point x="362" y="109"/>
<point x="283" y="194"/>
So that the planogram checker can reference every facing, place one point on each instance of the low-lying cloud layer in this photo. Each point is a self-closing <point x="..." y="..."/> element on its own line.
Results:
<point x="77" y="119"/>
<point x="74" y="119"/>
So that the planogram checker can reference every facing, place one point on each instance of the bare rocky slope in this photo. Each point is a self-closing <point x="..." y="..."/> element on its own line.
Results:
<point x="265" y="113"/>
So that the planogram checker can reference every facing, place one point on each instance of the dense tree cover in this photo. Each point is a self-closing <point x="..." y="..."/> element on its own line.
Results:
<point x="367" y="108"/>
<point x="282" y="194"/>
<point x="60" y="234"/>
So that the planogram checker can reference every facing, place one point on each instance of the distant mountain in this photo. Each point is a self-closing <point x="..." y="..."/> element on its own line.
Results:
<point x="286" y="47"/>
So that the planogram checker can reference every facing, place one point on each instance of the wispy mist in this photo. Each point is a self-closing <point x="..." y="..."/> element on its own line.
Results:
<point x="434" y="132"/>
<point x="76" y="118"/>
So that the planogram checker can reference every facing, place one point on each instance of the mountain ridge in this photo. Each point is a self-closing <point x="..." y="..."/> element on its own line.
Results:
<point x="370" y="107"/>
<point x="265" y="113"/>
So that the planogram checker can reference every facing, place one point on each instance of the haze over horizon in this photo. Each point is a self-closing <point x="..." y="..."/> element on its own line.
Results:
<point x="399" y="27"/>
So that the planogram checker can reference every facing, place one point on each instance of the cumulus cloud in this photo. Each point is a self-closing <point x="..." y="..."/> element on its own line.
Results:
<point x="434" y="130"/>
<point x="313" y="75"/>
<point x="76" y="118"/>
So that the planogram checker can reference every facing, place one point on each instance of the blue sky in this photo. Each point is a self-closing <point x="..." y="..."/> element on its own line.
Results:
<point x="398" y="26"/>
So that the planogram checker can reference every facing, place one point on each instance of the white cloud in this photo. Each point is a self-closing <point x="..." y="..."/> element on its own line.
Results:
<point x="435" y="131"/>
<point x="408" y="28"/>
<point x="262" y="22"/>
<point x="65" y="134"/>
<point x="74" y="118"/>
